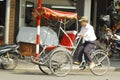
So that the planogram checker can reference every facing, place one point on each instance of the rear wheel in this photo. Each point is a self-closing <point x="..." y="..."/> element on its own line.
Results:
<point x="102" y="62"/>
<point x="45" y="69"/>
<point x="60" y="62"/>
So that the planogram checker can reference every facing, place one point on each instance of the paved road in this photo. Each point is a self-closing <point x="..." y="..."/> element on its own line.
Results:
<point x="37" y="75"/>
<point x="29" y="71"/>
<point x="26" y="64"/>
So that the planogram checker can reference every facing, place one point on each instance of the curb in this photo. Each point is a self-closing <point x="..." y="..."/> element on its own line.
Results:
<point x="75" y="68"/>
<point x="27" y="65"/>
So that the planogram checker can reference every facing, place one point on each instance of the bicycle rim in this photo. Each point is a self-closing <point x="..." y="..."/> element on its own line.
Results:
<point x="102" y="63"/>
<point x="60" y="63"/>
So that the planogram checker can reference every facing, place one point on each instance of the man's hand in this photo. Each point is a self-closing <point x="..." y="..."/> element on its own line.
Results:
<point x="82" y="35"/>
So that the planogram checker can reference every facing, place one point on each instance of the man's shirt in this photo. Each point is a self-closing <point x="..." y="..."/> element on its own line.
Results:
<point x="88" y="30"/>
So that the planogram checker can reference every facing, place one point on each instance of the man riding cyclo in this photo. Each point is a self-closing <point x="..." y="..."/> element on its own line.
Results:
<point x="88" y="36"/>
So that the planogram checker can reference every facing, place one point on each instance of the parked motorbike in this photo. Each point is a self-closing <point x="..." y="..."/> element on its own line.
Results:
<point x="110" y="40"/>
<point x="113" y="44"/>
<point x="9" y="56"/>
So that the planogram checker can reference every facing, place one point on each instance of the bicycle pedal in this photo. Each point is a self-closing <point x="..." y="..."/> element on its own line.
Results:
<point x="82" y="66"/>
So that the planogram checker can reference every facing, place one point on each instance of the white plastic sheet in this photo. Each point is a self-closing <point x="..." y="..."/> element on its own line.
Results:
<point x="47" y="36"/>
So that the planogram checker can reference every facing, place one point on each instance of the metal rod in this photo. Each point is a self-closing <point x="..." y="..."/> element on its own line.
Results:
<point x="7" y="19"/>
<point x="38" y="30"/>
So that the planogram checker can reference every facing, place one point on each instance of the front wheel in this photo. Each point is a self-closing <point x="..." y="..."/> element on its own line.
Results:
<point x="10" y="62"/>
<point x="102" y="62"/>
<point x="60" y="62"/>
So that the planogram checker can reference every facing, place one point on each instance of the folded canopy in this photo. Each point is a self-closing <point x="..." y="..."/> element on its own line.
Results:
<point x="54" y="14"/>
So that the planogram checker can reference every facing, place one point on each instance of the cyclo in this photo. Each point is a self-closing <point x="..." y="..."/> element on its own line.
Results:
<point x="57" y="59"/>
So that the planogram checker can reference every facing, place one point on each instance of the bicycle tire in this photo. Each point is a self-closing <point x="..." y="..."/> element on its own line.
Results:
<point x="12" y="62"/>
<point x="102" y="62"/>
<point x="60" y="62"/>
<point x="45" y="69"/>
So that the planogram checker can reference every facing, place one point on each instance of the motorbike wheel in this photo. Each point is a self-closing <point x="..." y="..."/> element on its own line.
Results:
<point x="11" y="62"/>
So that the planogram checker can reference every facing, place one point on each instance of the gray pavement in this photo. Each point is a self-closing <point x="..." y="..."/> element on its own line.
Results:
<point x="115" y="63"/>
<point x="27" y="65"/>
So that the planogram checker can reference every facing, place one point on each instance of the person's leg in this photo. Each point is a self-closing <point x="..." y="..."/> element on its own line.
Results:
<point x="78" y="50"/>
<point x="81" y="52"/>
<point x="80" y="55"/>
<point x="87" y="50"/>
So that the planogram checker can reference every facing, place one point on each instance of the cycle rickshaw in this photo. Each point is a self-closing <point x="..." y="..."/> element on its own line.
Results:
<point x="57" y="59"/>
